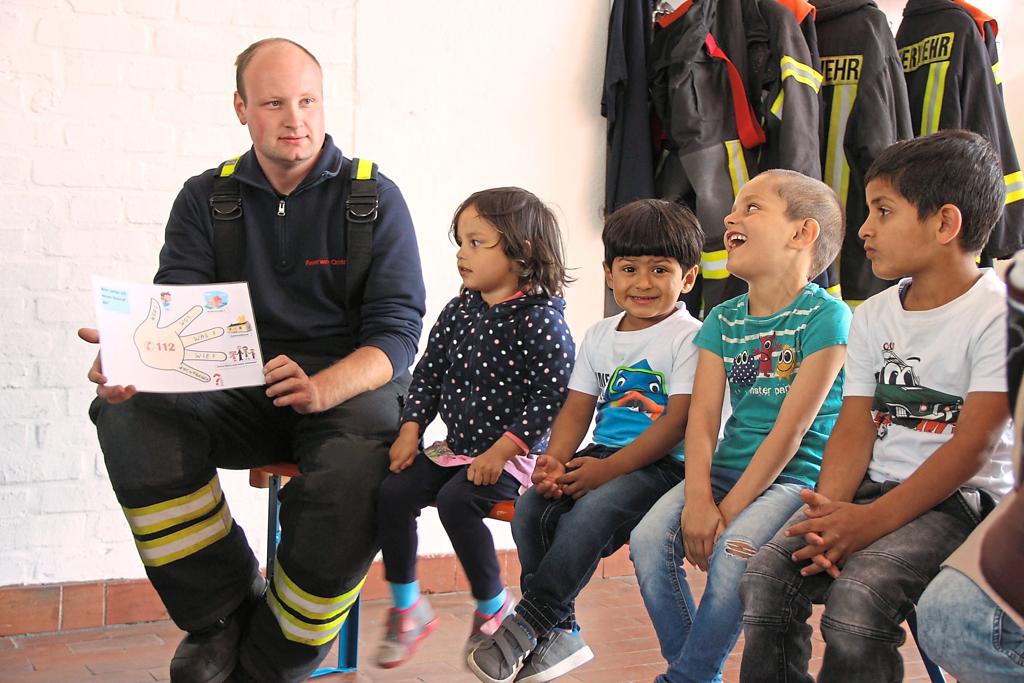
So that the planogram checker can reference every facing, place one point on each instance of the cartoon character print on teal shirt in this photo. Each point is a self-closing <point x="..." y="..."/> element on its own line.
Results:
<point x="744" y="369"/>
<point x="633" y="398"/>
<point x="766" y="360"/>
<point x="901" y="399"/>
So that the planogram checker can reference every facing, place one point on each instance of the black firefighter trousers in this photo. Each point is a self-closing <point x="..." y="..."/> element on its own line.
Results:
<point x="162" y="451"/>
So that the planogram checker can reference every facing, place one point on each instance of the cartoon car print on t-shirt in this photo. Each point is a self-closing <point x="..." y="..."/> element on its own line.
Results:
<point x="901" y="400"/>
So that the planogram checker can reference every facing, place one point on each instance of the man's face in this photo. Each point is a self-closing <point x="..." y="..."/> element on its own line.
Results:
<point x="283" y="107"/>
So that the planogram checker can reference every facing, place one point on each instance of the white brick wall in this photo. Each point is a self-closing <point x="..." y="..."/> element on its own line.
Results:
<point x="107" y="106"/>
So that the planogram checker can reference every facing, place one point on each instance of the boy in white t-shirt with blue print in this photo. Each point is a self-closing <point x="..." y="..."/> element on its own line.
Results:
<point x="636" y="370"/>
<point x="778" y="350"/>
<point x="921" y="447"/>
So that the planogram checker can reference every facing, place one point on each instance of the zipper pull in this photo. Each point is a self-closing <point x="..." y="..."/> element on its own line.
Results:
<point x="280" y="208"/>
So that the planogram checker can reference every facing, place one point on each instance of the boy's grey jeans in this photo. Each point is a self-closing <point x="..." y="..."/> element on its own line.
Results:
<point x="864" y="607"/>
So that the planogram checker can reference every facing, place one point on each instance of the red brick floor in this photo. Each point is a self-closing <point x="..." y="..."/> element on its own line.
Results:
<point x="610" y="610"/>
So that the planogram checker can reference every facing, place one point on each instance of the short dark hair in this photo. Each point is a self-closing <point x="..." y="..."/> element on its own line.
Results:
<point x="653" y="227"/>
<point x="952" y="166"/>
<point x="246" y="55"/>
<point x="807" y="197"/>
<point x="522" y="218"/>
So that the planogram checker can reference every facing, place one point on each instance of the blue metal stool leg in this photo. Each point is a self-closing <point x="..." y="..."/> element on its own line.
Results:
<point x="934" y="672"/>
<point x="348" y="638"/>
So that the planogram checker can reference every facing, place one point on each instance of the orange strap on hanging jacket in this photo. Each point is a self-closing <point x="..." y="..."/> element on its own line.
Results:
<point x="980" y="18"/>
<point x="800" y="9"/>
<point x="751" y="133"/>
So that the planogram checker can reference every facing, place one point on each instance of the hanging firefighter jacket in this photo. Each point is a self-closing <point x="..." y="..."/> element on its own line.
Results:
<point x="989" y="28"/>
<point x="805" y="12"/>
<point x="732" y="83"/>
<point x="952" y="83"/>
<point x="624" y="102"/>
<point x="865" y="110"/>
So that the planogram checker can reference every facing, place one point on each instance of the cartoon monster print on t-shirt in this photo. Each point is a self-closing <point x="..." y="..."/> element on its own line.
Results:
<point x="634" y="397"/>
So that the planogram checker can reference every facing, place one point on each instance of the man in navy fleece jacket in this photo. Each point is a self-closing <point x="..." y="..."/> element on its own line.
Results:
<point x="331" y="403"/>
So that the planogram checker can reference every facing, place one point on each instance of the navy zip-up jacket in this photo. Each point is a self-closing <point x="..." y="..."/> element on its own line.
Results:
<point x="493" y="369"/>
<point x="295" y="262"/>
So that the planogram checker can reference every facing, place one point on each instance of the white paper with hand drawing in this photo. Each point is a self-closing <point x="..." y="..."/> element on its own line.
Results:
<point x="177" y="338"/>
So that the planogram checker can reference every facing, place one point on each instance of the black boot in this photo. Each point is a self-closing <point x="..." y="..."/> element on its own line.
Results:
<point x="210" y="655"/>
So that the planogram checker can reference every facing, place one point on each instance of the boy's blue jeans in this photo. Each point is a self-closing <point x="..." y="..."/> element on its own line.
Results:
<point x="560" y="541"/>
<point x="695" y="641"/>
<point x="864" y="607"/>
<point x="966" y="633"/>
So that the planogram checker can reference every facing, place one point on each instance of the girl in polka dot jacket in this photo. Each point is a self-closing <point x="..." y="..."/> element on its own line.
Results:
<point x="496" y="369"/>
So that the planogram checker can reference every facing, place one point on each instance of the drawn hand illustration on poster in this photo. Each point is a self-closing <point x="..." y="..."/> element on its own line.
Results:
<point x="164" y="348"/>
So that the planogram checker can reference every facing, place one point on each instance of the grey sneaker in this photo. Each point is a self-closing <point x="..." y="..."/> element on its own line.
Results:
<point x="406" y="628"/>
<point x="557" y="653"/>
<point x="485" y="625"/>
<point x="500" y="657"/>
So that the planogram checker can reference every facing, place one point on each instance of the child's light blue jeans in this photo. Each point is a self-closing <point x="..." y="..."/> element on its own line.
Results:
<point x="695" y="641"/>
<point x="965" y="632"/>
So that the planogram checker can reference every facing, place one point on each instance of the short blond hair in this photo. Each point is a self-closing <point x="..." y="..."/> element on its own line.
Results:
<point x="808" y="197"/>
<point x="246" y="55"/>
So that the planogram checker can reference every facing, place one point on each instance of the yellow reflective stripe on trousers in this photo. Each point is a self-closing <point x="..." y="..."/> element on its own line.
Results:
<point x="153" y="518"/>
<point x="837" y="170"/>
<point x="997" y="73"/>
<point x="309" y="605"/>
<point x="188" y="541"/>
<point x="712" y="265"/>
<point x="931" y="108"/>
<point x="802" y="73"/>
<point x="1014" y="186"/>
<point x="299" y="630"/>
<point x="364" y="170"/>
<point x="737" y="165"/>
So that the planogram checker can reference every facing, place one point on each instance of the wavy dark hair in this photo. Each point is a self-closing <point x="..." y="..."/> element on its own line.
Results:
<point x="529" y="236"/>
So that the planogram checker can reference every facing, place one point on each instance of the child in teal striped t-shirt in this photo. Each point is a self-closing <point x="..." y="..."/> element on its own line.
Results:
<point x="779" y="349"/>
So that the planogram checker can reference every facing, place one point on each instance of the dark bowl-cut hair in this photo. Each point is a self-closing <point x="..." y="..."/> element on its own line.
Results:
<point x="246" y="55"/>
<point x="653" y="227"/>
<point x="529" y="236"/>
<point x="952" y="166"/>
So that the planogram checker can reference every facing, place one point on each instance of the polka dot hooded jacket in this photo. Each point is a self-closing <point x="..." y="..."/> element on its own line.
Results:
<point x="491" y="371"/>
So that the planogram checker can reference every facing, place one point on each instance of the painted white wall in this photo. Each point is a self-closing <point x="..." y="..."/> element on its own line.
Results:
<point x="107" y="106"/>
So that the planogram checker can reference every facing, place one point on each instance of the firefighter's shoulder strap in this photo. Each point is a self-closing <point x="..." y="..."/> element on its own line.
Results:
<point x="228" y="235"/>
<point x="361" y="207"/>
<point x="362" y="204"/>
